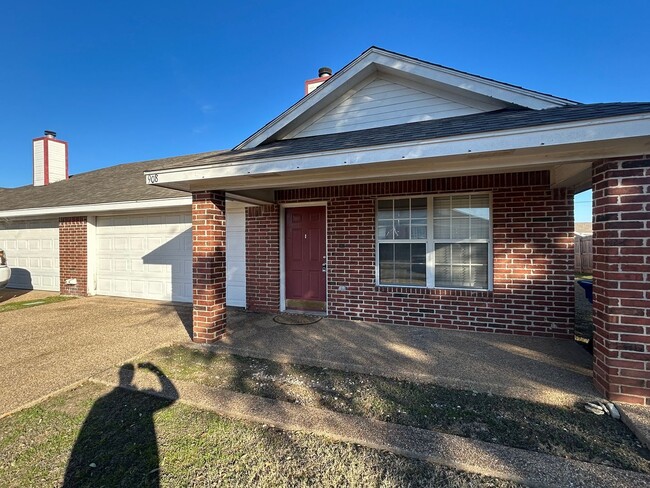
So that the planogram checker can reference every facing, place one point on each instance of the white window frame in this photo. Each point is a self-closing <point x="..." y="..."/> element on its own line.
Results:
<point x="431" y="242"/>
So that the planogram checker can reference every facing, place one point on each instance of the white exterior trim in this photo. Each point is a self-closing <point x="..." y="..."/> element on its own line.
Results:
<point x="91" y="248"/>
<point x="375" y="59"/>
<point x="549" y="136"/>
<point x="99" y="207"/>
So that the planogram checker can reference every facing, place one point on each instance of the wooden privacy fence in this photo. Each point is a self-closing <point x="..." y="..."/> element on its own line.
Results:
<point x="584" y="254"/>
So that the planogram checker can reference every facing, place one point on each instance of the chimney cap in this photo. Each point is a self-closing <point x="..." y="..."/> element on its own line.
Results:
<point x="324" y="71"/>
<point x="50" y="133"/>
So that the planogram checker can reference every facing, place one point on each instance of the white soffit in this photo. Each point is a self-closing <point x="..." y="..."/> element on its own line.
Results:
<point x="376" y="62"/>
<point x="592" y="139"/>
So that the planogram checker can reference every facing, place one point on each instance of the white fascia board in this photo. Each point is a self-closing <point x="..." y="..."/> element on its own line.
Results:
<point x="610" y="129"/>
<point x="471" y="83"/>
<point x="99" y="208"/>
<point x="376" y="60"/>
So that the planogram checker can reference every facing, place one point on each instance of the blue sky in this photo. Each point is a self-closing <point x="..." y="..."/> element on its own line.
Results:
<point x="129" y="81"/>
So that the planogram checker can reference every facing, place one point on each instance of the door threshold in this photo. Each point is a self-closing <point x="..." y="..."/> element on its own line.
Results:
<point x="316" y="313"/>
<point x="305" y="305"/>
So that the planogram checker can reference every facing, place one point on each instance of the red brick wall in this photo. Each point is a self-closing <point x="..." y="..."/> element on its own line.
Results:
<point x="208" y="266"/>
<point x="621" y="276"/>
<point x="73" y="255"/>
<point x="533" y="258"/>
<point x="263" y="258"/>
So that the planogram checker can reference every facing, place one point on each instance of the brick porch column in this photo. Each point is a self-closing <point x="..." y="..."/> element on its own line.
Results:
<point x="208" y="266"/>
<point x="73" y="255"/>
<point x="622" y="279"/>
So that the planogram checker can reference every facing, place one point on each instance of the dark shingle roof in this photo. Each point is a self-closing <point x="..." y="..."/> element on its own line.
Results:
<point x="505" y="119"/>
<point x="122" y="183"/>
<point x="126" y="182"/>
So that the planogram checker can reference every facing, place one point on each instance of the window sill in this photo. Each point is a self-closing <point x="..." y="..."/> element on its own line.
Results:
<point x="421" y="290"/>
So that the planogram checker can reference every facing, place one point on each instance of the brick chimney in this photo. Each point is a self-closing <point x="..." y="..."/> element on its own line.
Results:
<point x="323" y="74"/>
<point x="50" y="159"/>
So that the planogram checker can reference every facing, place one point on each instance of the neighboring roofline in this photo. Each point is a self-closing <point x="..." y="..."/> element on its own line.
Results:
<point x="94" y="208"/>
<point x="118" y="207"/>
<point x="608" y="129"/>
<point x="375" y="56"/>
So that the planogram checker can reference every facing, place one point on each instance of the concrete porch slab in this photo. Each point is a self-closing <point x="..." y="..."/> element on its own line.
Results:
<point x="537" y="369"/>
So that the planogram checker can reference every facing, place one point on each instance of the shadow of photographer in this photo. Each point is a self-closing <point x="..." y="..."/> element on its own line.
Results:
<point x="117" y="444"/>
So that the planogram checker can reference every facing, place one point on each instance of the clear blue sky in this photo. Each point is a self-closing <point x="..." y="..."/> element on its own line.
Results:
<point x="126" y="81"/>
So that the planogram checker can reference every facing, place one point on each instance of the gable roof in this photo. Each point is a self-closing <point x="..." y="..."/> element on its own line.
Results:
<point x="121" y="183"/>
<point x="376" y="60"/>
<point x="500" y="120"/>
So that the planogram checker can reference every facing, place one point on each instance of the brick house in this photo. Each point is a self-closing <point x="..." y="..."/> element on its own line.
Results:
<point x="396" y="191"/>
<point x="399" y="191"/>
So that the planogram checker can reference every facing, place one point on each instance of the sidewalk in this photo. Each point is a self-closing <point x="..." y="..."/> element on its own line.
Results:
<point x="458" y="452"/>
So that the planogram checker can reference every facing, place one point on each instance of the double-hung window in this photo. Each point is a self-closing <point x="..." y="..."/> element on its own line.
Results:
<point x="434" y="241"/>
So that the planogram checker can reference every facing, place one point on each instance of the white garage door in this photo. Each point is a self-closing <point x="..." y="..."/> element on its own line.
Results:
<point x="235" y="255"/>
<point x="145" y="256"/>
<point x="150" y="256"/>
<point x="32" y="249"/>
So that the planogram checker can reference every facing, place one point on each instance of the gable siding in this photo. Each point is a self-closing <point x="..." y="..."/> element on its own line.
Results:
<point x="383" y="102"/>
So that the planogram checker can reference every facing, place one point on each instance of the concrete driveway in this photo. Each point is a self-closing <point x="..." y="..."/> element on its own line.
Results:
<point x="49" y="347"/>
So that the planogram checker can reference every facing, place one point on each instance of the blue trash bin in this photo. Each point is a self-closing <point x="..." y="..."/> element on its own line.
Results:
<point x="588" y="287"/>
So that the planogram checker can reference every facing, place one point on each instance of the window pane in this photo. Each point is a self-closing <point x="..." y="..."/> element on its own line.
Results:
<point x="460" y="253"/>
<point x="461" y="276"/>
<point x="419" y="266"/>
<point x="479" y="254"/>
<point x="386" y="263"/>
<point x="443" y="276"/>
<point x="481" y="202"/>
<point x="479" y="277"/>
<point x="385" y="229"/>
<point x="480" y="228"/>
<point x="403" y="264"/>
<point x="419" y="232"/>
<point x="461" y="206"/>
<point x="460" y="228"/>
<point x="441" y="229"/>
<point x="385" y="209"/>
<point x="443" y="254"/>
<point x="442" y="207"/>
<point x="402" y="208"/>
<point x="419" y="208"/>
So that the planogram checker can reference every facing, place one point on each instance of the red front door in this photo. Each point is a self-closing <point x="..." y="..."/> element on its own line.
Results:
<point x="305" y="258"/>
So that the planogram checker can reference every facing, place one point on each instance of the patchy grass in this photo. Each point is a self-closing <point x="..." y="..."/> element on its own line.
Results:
<point x="34" y="303"/>
<point x="584" y="326"/>
<point x="561" y="431"/>
<point x="94" y="436"/>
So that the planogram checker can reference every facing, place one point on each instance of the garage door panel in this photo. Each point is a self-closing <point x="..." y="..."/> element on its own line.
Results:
<point x="146" y="259"/>
<point x="32" y="249"/>
<point x="158" y="253"/>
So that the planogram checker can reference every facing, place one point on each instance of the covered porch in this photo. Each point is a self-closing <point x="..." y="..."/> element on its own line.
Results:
<point x="530" y="176"/>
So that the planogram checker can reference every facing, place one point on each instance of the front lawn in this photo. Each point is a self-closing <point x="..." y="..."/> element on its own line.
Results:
<point x="560" y="431"/>
<point x="33" y="303"/>
<point x="95" y="436"/>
